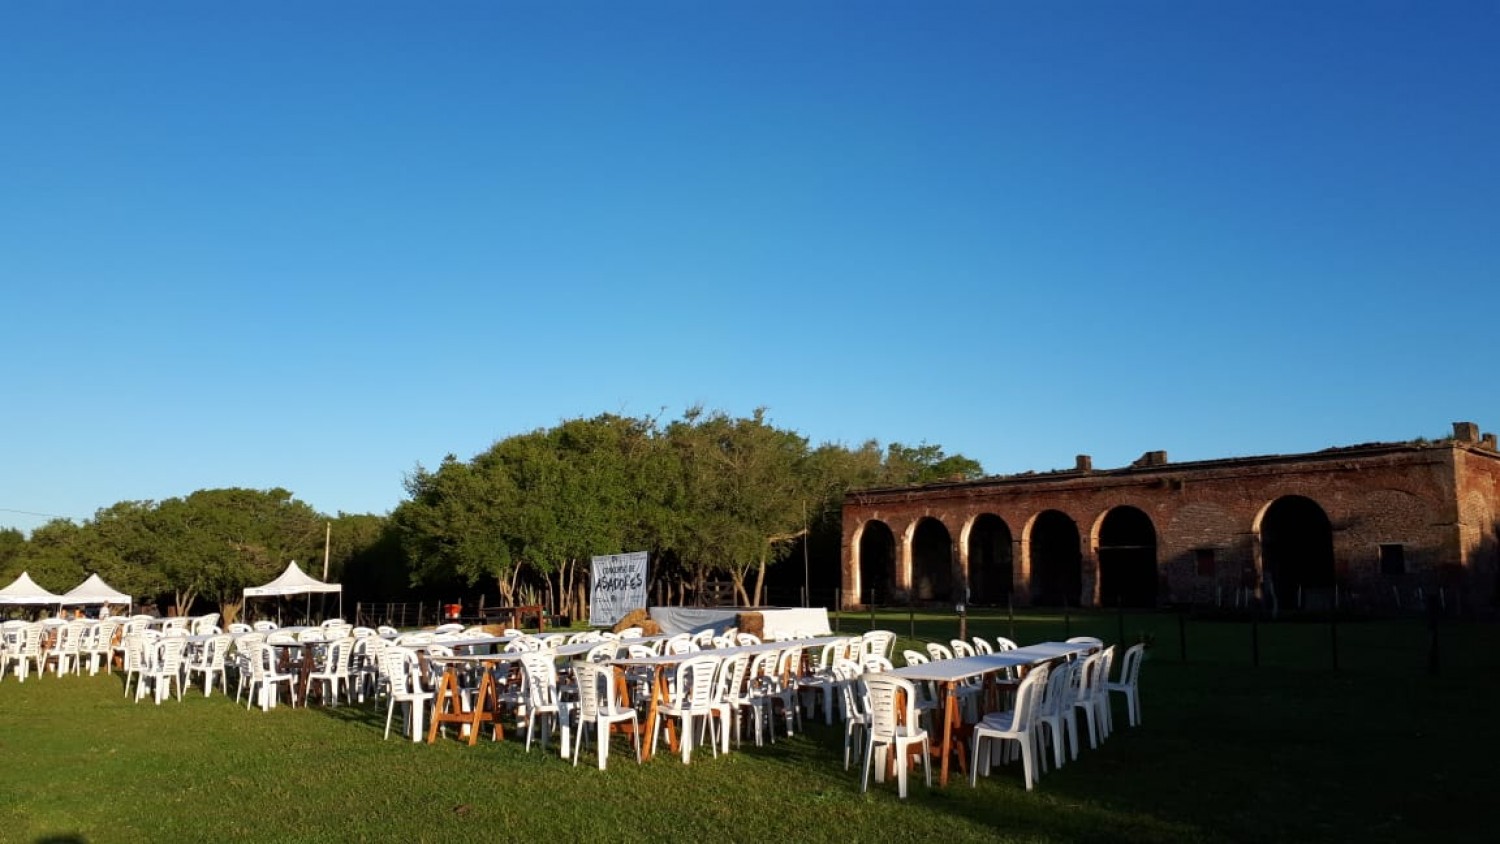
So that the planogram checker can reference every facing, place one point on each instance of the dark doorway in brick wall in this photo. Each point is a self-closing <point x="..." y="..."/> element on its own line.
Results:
<point x="991" y="563"/>
<point x="1296" y="547"/>
<point x="1056" y="560"/>
<point x="932" y="562"/>
<point x="877" y="563"/>
<point x="1127" y="559"/>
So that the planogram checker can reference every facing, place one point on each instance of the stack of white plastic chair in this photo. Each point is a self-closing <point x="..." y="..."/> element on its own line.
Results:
<point x="205" y="625"/>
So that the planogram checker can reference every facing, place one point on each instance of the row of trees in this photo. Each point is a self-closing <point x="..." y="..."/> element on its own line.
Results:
<point x="709" y="495"/>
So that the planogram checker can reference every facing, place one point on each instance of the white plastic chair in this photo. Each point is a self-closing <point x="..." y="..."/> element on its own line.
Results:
<point x="99" y="649"/>
<point x="893" y="726"/>
<point x="1017" y="725"/>
<point x="164" y="670"/>
<point x="692" y="699"/>
<point x="879" y="643"/>
<point x="65" y="649"/>
<point x="1084" y="698"/>
<point x="821" y="682"/>
<point x="1054" y="721"/>
<point x="542" y="699"/>
<point x="762" y="685"/>
<point x="599" y="713"/>
<point x="856" y="708"/>
<point x="1129" y="682"/>
<point x="265" y="678"/>
<point x="401" y="668"/>
<point x="25" y="650"/>
<point x="1003" y="644"/>
<point x="335" y="672"/>
<point x="210" y="663"/>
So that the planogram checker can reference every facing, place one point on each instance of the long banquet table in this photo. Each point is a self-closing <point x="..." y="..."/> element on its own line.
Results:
<point x="948" y="673"/>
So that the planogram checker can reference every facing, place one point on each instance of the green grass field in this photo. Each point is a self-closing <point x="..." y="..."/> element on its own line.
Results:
<point x="1290" y="751"/>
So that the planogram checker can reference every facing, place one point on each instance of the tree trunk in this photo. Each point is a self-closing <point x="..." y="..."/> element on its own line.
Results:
<point x="182" y="600"/>
<point x="229" y="611"/>
<point x="739" y="588"/>
<point x="760" y="583"/>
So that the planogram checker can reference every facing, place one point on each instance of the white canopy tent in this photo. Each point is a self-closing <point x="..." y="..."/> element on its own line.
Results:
<point x="24" y="591"/>
<point x="294" y="581"/>
<point x="96" y="591"/>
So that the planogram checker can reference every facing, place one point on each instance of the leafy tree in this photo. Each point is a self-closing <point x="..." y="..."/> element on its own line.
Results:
<point x="746" y="494"/>
<point x="925" y="463"/>
<point x="452" y="525"/>
<point x="52" y="557"/>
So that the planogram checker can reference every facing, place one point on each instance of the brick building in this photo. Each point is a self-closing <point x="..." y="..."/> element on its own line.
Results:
<point x="1366" y="525"/>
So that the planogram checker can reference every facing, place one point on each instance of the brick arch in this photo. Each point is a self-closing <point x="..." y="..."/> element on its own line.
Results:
<point x="1294" y="539"/>
<point x="932" y="557"/>
<point x="863" y="569"/>
<point x="1053" y="548"/>
<point x="987" y="558"/>
<point x="1124" y="540"/>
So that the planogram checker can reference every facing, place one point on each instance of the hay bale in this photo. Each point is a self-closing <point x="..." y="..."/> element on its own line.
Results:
<point x="635" y="618"/>
<point x="752" y="622"/>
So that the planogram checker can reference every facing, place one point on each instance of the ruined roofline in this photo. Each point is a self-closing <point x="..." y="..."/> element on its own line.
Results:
<point x="1165" y="468"/>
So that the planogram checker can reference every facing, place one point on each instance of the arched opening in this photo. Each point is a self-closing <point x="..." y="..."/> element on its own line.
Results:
<point x="877" y="563"/>
<point x="1127" y="559"/>
<point x="1296" y="549"/>
<point x="931" y="562"/>
<point x="991" y="566"/>
<point x="1056" y="560"/>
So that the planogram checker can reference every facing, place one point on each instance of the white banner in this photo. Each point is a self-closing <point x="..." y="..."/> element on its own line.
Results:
<point x="617" y="586"/>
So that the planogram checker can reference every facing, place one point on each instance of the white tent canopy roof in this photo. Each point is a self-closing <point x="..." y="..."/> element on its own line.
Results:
<point x="291" y="582"/>
<point x="23" y="590"/>
<point x="95" y="591"/>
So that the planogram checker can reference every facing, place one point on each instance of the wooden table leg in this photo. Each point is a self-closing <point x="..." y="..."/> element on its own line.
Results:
<point x="657" y="695"/>
<point x="442" y="710"/>
<point x="950" y="712"/>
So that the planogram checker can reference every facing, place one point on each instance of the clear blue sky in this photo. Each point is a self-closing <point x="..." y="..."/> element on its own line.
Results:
<point x="314" y="244"/>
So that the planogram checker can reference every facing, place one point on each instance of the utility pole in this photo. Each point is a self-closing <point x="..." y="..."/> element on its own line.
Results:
<point x="327" y="540"/>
